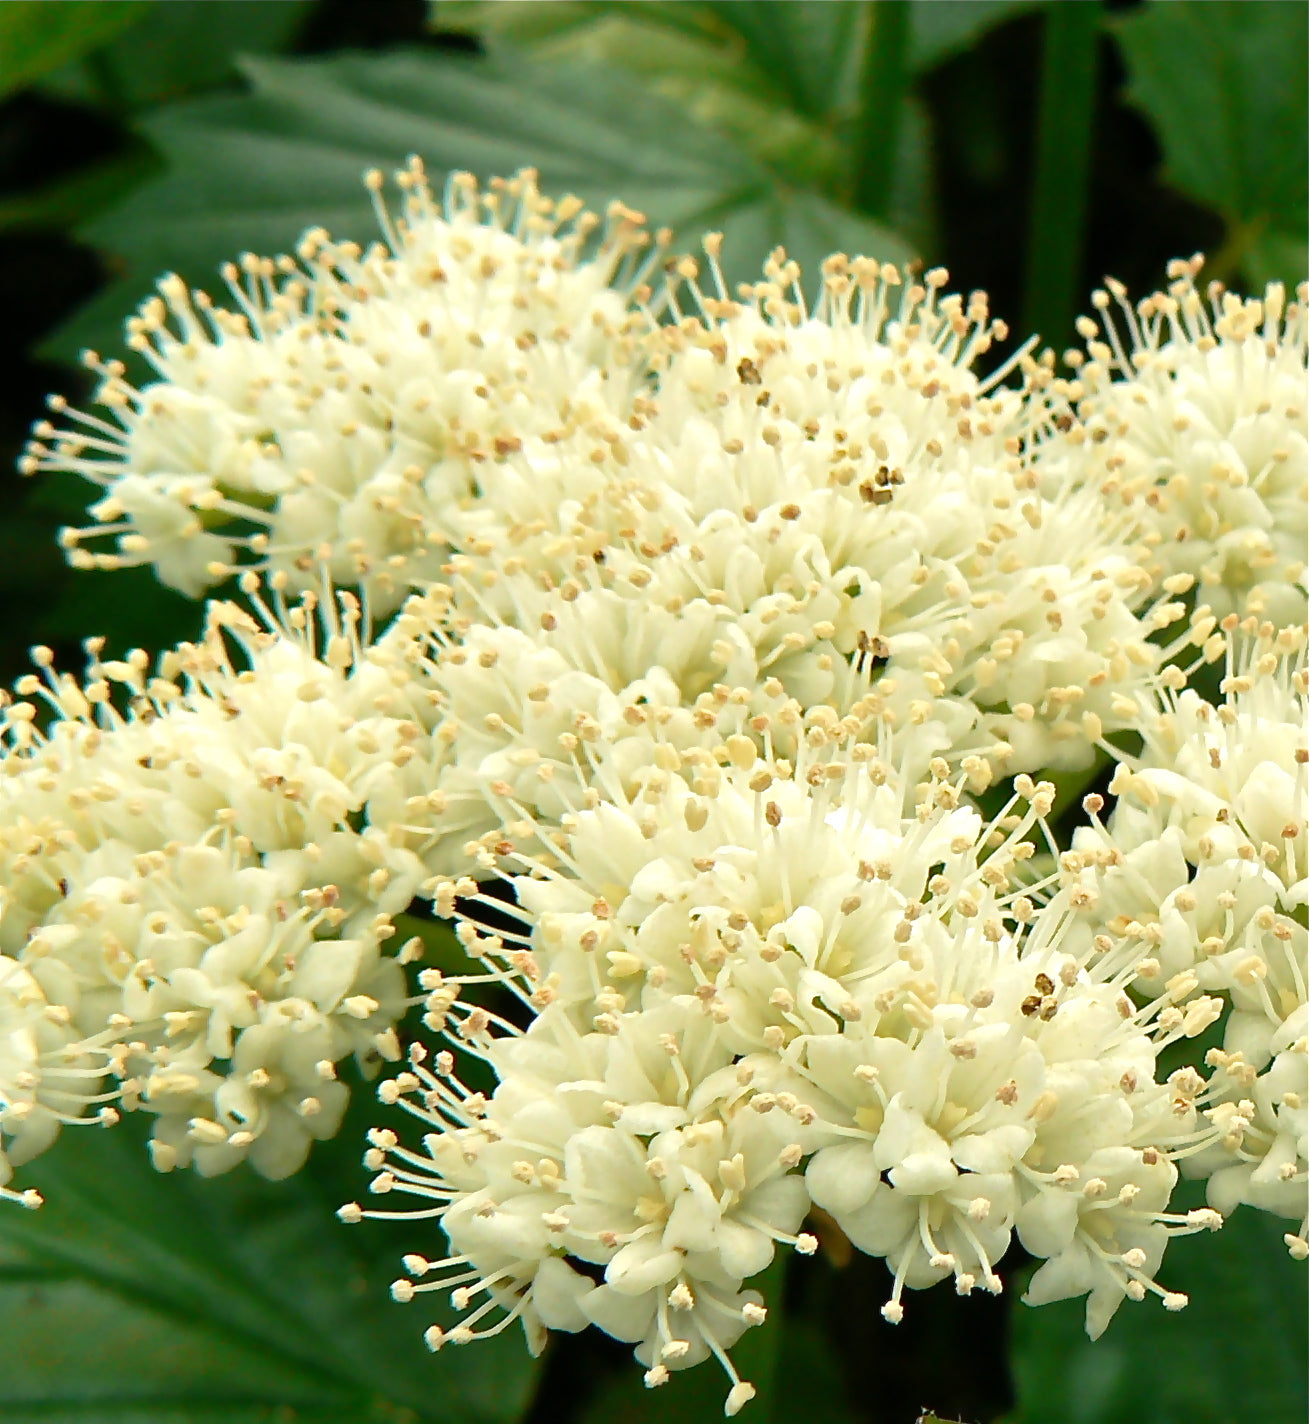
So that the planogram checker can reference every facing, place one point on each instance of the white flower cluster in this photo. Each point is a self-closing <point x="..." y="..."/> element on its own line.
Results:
<point x="1201" y="878"/>
<point x="1197" y="423"/>
<point x="338" y="413"/>
<point x="837" y="978"/>
<point x="200" y="865"/>
<point x="732" y="636"/>
<point x="834" y="505"/>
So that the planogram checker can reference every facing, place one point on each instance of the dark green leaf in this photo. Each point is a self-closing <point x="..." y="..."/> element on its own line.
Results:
<point x="1276" y="256"/>
<point x="36" y="36"/>
<point x="780" y="81"/>
<point x="177" y="49"/>
<point x="76" y="197"/>
<point x="810" y="53"/>
<point x="134" y="1296"/>
<point x="79" y="1346"/>
<point x="1235" y="1353"/>
<point x="1227" y="86"/>
<point x="883" y="96"/>
<point x="253" y="171"/>
<point x="683" y="53"/>
<point x="1061" y="186"/>
<point x="535" y="23"/>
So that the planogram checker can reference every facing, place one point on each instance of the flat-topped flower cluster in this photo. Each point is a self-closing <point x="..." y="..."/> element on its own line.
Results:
<point x="704" y="659"/>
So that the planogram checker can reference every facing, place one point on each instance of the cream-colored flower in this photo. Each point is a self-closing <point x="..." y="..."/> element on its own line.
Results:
<point x="780" y="894"/>
<point x="1202" y="865"/>
<point x="334" y="419"/>
<point x="610" y="1179"/>
<point x="194" y="876"/>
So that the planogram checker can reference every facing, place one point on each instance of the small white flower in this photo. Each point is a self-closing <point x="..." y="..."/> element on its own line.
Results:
<point x="778" y="894"/>
<point x="1103" y="1233"/>
<point x="196" y="874"/>
<point x="1202" y="866"/>
<point x="1261" y="1156"/>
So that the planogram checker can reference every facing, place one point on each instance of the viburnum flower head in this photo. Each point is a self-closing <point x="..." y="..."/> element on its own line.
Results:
<point x="855" y="939"/>
<point x="755" y="541"/>
<point x="769" y="889"/>
<point x="194" y="879"/>
<point x="611" y="1179"/>
<point x="1194" y="415"/>
<point x="334" y="416"/>
<point x="977" y="1098"/>
<point x="853" y="450"/>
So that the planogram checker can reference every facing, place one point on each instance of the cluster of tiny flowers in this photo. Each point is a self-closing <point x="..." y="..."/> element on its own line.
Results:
<point x="1199" y="879"/>
<point x="731" y="635"/>
<point x="200" y="865"/>
<point x="832" y="504"/>
<point x="762" y="984"/>
<point x="342" y="406"/>
<point x="1197" y="423"/>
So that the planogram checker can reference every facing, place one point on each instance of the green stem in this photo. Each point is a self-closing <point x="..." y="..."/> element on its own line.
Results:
<point x="883" y="88"/>
<point x="1057" y="233"/>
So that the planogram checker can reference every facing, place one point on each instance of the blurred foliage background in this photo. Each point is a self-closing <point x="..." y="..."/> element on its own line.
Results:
<point x="1031" y="148"/>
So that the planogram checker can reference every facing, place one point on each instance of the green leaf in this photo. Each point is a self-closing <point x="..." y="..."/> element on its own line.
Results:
<point x="74" y="198"/>
<point x="177" y="49"/>
<point x="131" y="1296"/>
<point x="883" y="95"/>
<point x="1235" y="1353"/>
<point x="253" y="171"/>
<point x="684" y="54"/>
<point x="1061" y="185"/>
<point x="1277" y="257"/>
<point x="532" y="23"/>
<point x="781" y="79"/>
<point x="37" y="37"/>
<point x="811" y="53"/>
<point x="1227" y="86"/>
<point x="78" y="1346"/>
